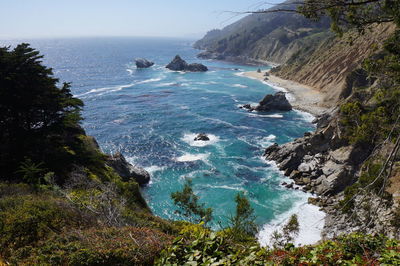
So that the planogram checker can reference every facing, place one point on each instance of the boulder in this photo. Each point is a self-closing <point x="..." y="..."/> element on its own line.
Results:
<point x="143" y="63"/>
<point x="276" y="102"/>
<point x="178" y="64"/>
<point x="201" y="137"/>
<point x="128" y="171"/>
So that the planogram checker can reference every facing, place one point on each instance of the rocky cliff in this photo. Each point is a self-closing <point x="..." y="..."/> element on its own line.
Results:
<point x="272" y="37"/>
<point x="338" y="168"/>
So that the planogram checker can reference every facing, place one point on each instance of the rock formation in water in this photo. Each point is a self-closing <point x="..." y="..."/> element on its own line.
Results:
<point x="275" y="102"/>
<point x="128" y="171"/>
<point x="201" y="137"/>
<point x="178" y="64"/>
<point x="143" y="63"/>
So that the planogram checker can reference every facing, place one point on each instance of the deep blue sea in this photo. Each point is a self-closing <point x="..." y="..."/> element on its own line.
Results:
<point x="152" y="116"/>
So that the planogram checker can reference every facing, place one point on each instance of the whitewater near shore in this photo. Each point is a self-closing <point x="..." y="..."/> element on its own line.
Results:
<point x="302" y="97"/>
<point x="311" y="218"/>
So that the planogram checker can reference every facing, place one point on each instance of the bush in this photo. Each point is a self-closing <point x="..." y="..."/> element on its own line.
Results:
<point x="104" y="246"/>
<point x="25" y="220"/>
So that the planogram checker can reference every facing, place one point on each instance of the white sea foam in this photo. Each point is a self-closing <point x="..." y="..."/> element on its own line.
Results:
<point x="104" y="90"/>
<point x="311" y="221"/>
<point x="130" y="71"/>
<point x="306" y="116"/>
<point x="239" y="86"/>
<point x="240" y="74"/>
<point x="267" y="141"/>
<point x="154" y="168"/>
<point x="189" y="139"/>
<point x="261" y="115"/>
<point x="149" y="80"/>
<point x="188" y="157"/>
<point x="226" y="187"/>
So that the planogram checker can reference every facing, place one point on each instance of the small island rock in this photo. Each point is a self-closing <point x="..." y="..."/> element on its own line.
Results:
<point x="202" y="137"/>
<point x="143" y="63"/>
<point x="276" y="102"/>
<point x="178" y="64"/>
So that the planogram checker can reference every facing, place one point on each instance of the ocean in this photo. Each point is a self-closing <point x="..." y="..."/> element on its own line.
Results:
<point x="152" y="116"/>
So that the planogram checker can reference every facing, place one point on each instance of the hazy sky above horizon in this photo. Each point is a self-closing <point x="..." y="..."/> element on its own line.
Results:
<point x="79" y="18"/>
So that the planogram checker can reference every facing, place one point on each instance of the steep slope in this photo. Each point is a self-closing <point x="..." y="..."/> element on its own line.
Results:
<point x="263" y="37"/>
<point x="327" y="65"/>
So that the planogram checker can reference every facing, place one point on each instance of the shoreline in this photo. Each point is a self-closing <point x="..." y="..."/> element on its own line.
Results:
<point x="302" y="97"/>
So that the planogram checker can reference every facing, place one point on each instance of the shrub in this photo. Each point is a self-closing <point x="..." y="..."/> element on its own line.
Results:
<point x="104" y="246"/>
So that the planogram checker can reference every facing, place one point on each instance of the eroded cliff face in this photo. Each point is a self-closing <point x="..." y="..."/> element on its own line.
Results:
<point x="328" y="65"/>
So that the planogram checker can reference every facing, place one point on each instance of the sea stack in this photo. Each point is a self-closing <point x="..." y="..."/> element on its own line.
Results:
<point x="178" y="64"/>
<point x="143" y="63"/>
<point x="276" y="102"/>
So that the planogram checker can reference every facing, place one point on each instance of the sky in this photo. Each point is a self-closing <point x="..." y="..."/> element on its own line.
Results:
<point x="86" y="18"/>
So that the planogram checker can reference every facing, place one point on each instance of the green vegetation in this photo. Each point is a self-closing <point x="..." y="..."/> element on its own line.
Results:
<point x="202" y="247"/>
<point x="242" y="225"/>
<point x="189" y="206"/>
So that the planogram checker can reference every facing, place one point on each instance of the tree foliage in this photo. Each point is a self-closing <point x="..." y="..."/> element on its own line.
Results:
<point x="244" y="220"/>
<point x="38" y="120"/>
<point x="352" y="13"/>
<point x="189" y="205"/>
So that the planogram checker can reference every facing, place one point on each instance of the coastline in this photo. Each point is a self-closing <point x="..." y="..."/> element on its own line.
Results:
<point x="301" y="97"/>
<point x="312" y="219"/>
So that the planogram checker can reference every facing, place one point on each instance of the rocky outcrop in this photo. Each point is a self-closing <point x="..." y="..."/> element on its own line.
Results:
<point x="276" y="102"/>
<point x="178" y="64"/>
<point x="143" y="63"/>
<point x="128" y="171"/>
<point x="201" y="137"/>
<point x="322" y="162"/>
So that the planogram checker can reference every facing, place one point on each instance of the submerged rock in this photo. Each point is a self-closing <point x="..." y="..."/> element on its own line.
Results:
<point x="178" y="64"/>
<point x="128" y="171"/>
<point x="276" y="102"/>
<point x="201" y="137"/>
<point x="143" y="63"/>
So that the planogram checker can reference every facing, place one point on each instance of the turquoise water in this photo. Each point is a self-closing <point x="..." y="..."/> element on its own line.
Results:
<point x="152" y="115"/>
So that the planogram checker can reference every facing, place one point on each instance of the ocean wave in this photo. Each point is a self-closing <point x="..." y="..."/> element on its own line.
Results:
<point x="188" y="157"/>
<point x="154" y="168"/>
<point x="305" y="116"/>
<point x="104" y="90"/>
<point x="240" y="74"/>
<point x="266" y="141"/>
<point x="148" y="80"/>
<point x="311" y="222"/>
<point x="239" y="86"/>
<point x="266" y="116"/>
<point x="240" y="188"/>
<point x="189" y="139"/>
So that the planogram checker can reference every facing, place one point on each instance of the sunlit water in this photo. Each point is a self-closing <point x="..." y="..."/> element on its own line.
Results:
<point x="152" y="116"/>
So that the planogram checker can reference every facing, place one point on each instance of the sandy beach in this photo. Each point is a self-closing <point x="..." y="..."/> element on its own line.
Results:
<point x="302" y="97"/>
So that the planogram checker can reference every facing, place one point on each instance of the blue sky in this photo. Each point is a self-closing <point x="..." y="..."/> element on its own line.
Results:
<point x="67" y="18"/>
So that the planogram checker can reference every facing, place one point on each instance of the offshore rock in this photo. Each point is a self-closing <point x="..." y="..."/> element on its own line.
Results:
<point x="128" y="171"/>
<point x="178" y="64"/>
<point x="275" y="102"/>
<point x="201" y="137"/>
<point x="143" y="63"/>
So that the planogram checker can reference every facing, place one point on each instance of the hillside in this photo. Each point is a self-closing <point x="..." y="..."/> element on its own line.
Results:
<point x="272" y="37"/>
<point x="351" y="162"/>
